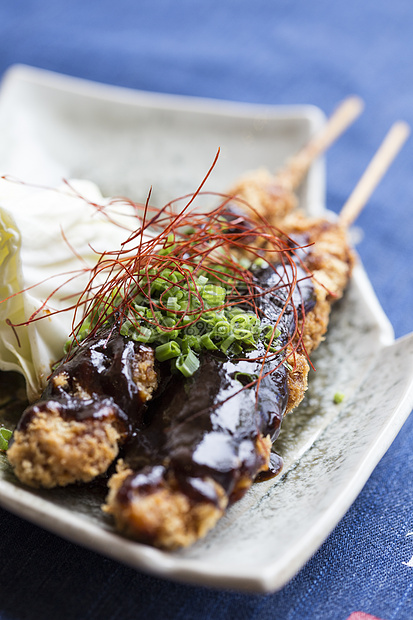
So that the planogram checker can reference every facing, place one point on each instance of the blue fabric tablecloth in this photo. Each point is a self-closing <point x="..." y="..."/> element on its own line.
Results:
<point x="266" y="51"/>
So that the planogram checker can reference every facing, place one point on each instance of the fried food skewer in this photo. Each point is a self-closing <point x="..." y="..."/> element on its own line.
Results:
<point x="46" y="449"/>
<point x="174" y="493"/>
<point x="157" y="505"/>
<point x="153" y="499"/>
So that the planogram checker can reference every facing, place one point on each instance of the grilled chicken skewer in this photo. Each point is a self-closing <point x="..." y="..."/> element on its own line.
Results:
<point x="173" y="494"/>
<point x="48" y="446"/>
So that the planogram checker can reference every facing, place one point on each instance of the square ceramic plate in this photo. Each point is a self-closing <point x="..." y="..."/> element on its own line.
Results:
<point x="53" y="127"/>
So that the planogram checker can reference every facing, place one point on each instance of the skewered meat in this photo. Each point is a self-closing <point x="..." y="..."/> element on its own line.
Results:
<point x="188" y="451"/>
<point x="73" y="433"/>
<point x="200" y="451"/>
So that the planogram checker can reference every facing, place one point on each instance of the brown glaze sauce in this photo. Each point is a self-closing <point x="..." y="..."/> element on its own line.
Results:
<point x="194" y="429"/>
<point x="207" y="426"/>
<point x="99" y="382"/>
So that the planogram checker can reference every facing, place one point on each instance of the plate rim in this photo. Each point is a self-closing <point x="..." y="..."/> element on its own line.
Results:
<point x="123" y="94"/>
<point x="98" y="91"/>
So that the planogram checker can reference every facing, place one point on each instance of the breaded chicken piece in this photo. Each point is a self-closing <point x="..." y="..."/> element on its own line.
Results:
<point x="52" y="451"/>
<point x="149" y="504"/>
<point x="160" y="513"/>
<point x="269" y="196"/>
<point x="73" y="433"/>
<point x="330" y="260"/>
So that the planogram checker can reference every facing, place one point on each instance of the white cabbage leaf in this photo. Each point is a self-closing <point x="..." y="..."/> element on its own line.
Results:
<point x="35" y="259"/>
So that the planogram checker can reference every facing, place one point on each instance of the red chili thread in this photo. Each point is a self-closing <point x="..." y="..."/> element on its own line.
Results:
<point x="138" y="266"/>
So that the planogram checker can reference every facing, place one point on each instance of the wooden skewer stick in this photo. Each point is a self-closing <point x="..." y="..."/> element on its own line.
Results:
<point x="345" y="114"/>
<point x="375" y="171"/>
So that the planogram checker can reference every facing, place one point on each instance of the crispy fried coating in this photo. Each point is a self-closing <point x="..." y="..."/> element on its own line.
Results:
<point x="330" y="260"/>
<point x="297" y="380"/>
<point x="52" y="448"/>
<point x="262" y="191"/>
<point x="162" y="516"/>
<point x="52" y="451"/>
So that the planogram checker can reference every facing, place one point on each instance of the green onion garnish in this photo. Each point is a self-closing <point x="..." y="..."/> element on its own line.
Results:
<point x="338" y="398"/>
<point x="5" y="435"/>
<point x="167" y="351"/>
<point x="182" y="316"/>
<point x="245" y="378"/>
<point x="207" y="343"/>
<point x="187" y="364"/>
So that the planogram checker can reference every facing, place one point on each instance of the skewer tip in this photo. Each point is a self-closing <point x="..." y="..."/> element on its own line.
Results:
<point x="343" y="116"/>
<point x="384" y="157"/>
<point x="353" y="105"/>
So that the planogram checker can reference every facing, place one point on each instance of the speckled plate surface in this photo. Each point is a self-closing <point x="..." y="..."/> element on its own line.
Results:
<point x="126" y="141"/>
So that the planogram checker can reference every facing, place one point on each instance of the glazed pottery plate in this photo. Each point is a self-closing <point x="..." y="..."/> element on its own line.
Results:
<point x="56" y="127"/>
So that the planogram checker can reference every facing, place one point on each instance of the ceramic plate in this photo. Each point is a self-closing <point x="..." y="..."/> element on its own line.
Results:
<point x="127" y="141"/>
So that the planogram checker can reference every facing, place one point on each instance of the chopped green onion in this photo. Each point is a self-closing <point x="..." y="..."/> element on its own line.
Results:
<point x="338" y="398"/>
<point x="270" y="332"/>
<point x="224" y="346"/>
<point x="207" y="343"/>
<point x="138" y="299"/>
<point x="5" y="435"/>
<point x="177" y="292"/>
<point x="260" y="262"/>
<point x="192" y="330"/>
<point x="168" y="276"/>
<point x="187" y="364"/>
<point x="242" y="334"/>
<point x="169" y="321"/>
<point x="213" y="295"/>
<point x="138" y="308"/>
<point x="125" y="328"/>
<point x="209" y="317"/>
<point x="221" y="329"/>
<point x="183" y="310"/>
<point x="245" y="262"/>
<point x="143" y="335"/>
<point x="191" y="342"/>
<point x="240" y="321"/>
<point x="201" y="281"/>
<point x="167" y="351"/>
<point x="236" y="349"/>
<point x="245" y="378"/>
